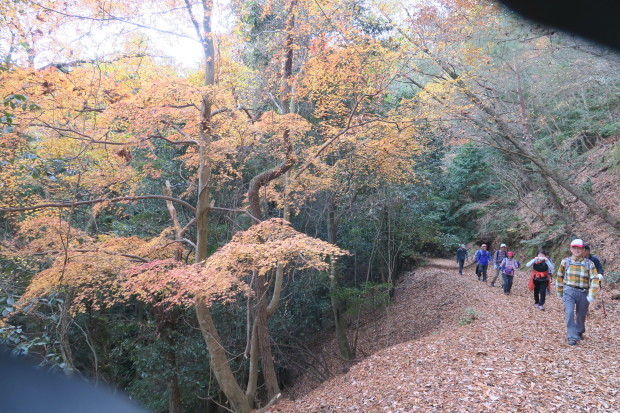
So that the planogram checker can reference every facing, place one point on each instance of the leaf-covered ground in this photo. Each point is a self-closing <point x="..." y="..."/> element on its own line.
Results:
<point x="512" y="357"/>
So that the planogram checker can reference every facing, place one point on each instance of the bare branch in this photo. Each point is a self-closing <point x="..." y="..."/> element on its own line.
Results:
<point x="135" y="257"/>
<point x="243" y="211"/>
<point x="344" y="130"/>
<point x="95" y="61"/>
<point x="112" y="18"/>
<point x="97" y="201"/>
<point x="188" y="7"/>
<point x="181" y="131"/>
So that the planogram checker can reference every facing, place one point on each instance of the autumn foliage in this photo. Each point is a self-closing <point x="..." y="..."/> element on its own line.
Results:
<point x="229" y="270"/>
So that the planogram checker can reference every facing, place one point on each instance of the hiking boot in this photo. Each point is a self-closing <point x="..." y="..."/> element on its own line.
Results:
<point x="542" y="307"/>
<point x="492" y="285"/>
<point x="580" y="337"/>
<point x="572" y="342"/>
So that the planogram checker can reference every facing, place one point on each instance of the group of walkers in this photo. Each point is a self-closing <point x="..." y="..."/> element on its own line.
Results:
<point x="578" y="279"/>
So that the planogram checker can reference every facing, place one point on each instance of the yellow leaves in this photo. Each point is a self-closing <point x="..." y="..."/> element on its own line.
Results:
<point x="271" y="123"/>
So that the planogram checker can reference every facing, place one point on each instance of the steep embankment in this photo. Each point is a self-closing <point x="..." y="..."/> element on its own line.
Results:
<point x="598" y="174"/>
<point x="512" y="357"/>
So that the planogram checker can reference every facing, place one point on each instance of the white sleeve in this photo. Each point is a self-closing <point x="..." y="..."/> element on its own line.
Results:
<point x="529" y="264"/>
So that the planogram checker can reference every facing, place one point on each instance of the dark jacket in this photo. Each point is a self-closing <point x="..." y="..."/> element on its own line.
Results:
<point x="597" y="264"/>
<point x="461" y="254"/>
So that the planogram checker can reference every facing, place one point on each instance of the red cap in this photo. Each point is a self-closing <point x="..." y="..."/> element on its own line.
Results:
<point x="510" y="253"/>
<point x="577" y="243"/>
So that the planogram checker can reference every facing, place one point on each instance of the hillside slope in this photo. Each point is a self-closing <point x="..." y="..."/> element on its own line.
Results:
<point x="512" y="357"/>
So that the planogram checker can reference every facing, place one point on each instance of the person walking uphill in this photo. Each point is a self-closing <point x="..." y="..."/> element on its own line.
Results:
<point x="508" y="267"/>
<point x="461" y="257"/>
<point x="498" y="257"/>
<point x="482" y="258"/>
<point x="540" y="278"/>
<point x="578" y="285"/>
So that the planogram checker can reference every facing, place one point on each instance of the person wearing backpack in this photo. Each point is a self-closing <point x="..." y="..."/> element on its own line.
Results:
<point x="540" y="278"/>
<point x="595" y="260"/>
<point x="508" y="267"/>
<point x="482" y="258"/>
<point x="461" y="257"/>
<point x="578" y="284"/>
<point x="498" y="257"/>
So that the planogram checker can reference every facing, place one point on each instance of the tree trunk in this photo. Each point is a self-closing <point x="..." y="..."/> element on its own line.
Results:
<point x="260" y="330"/>
<point x="63" y="337"/>
<point x="219" y="361"/>
<point x="264" y="342"/>
<point x="166" y="323"/>
<point x="341" y="331"/>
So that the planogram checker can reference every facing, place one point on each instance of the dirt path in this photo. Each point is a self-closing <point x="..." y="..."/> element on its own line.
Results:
<point x="512" y="358"/>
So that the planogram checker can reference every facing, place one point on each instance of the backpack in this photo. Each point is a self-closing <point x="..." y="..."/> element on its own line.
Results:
<point x="510" y="271"/>
<point x="541" y="266"/>
<point x="482" y="255"/>
<point x="587" y="263"/>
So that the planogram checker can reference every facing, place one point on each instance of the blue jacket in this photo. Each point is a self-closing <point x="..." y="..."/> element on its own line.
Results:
<point x="482" y="257"/>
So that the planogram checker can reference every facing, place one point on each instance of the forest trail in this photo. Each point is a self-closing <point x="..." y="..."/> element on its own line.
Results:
<point x="512" y="357"/>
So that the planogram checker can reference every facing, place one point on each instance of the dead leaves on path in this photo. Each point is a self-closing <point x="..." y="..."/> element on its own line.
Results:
<point x="512" y="358"/>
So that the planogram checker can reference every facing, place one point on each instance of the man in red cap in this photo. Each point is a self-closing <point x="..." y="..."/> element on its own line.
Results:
<point x="578" y="284"/>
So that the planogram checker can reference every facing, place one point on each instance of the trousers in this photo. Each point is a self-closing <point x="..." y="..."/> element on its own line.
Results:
<point x="507" y="282"/>
<point x="540" y="291"/>
<point x="575" y="308"/>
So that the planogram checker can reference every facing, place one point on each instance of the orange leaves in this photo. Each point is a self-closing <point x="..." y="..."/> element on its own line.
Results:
<point x="267" y="244"/>
<point x="225" y="274"/>
<point x="88" y="268"/>
<point x="102" y="272"/>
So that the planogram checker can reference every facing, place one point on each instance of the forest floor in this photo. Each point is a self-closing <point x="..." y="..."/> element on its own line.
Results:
<point x="450" y="343"/>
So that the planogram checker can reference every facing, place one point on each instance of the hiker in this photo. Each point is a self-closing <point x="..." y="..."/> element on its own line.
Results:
<point x="461" y="257"/>
<point x="482" y="259"/>
<point x="540" y="278"/>
<point x="595" y="260"/>
<point x="508" y="267"/>
<point x="498" y="257"/>
<point x="578" y="285"/>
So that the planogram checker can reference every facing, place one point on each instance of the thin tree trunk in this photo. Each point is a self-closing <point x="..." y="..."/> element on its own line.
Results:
<point x="218" y="358"/>
<point x="337" y="307"/>
<point x="165" y="328"/>
<point x="264" y="342"/>
<point x="260" y="331"/>
<point x="219" y="361"/>
<point x="64" y="324"/>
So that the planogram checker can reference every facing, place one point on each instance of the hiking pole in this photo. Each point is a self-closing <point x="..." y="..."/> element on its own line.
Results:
<point x="603" y="305"/>
<point x="602" y="299"/>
